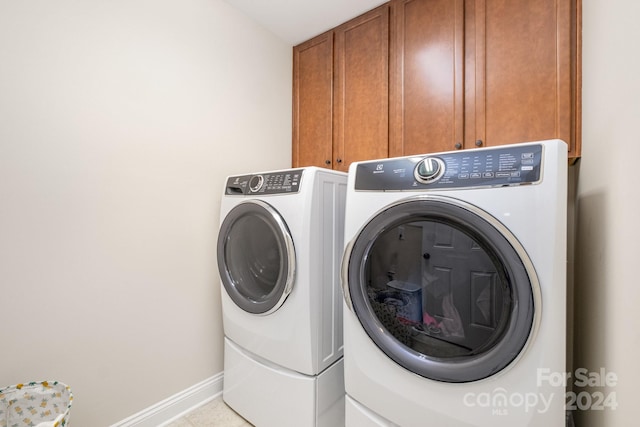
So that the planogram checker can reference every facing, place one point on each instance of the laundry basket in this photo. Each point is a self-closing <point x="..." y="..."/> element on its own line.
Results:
<point x="35" y="404"/>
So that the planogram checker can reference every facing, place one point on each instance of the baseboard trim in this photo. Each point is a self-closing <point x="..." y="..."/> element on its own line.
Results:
<point x="174" y="407"/>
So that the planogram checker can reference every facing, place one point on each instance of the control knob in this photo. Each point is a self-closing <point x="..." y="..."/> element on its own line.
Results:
<point x="255" y="183"/>
<point x="429" y="170"/>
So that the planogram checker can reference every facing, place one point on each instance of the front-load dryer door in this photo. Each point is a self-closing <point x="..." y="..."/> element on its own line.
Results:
<point x="442" y="288"/>
<point x="256" y="257"/>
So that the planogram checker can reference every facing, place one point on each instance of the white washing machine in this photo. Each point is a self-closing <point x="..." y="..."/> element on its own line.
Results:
<point x="454" y="278"/>
<point x="279" y="250"/>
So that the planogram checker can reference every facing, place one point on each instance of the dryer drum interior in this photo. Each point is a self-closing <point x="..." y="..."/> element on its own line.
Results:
<point x="442" y="288"/>
<point x="256" y="257"/>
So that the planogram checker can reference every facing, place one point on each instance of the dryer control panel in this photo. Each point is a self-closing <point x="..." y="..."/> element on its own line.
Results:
<point x="485" y="167"/>
<point x="280" y="182"/>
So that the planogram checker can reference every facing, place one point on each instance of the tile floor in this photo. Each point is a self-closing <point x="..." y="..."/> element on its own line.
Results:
<point x="213" y="414"/>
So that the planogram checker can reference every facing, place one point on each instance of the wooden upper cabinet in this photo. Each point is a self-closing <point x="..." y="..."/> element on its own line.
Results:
<point x="313" y="102"/>
<point x="341" y="95"/>
<point x="426" y="74"/>
<point x="522" y="72"/>
<point x="469" y="73"/>
<point x="361" y="91"/>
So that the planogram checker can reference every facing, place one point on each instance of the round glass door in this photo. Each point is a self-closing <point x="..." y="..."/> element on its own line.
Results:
<point x="256" y="257"/>
<point x="442" y="288"/>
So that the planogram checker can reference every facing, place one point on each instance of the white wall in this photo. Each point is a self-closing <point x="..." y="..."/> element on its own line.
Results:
<point x="607" y="287"/>
<point x="118" y="122"/>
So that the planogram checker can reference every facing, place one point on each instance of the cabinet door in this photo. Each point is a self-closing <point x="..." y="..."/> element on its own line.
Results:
<point x="427" y="76"/>
<point x="520" y="71"/>
<point x="313" y="102"/>
<point x="361" y="94"/>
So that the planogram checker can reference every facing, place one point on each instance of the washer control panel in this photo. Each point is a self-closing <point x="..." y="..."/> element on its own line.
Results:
<point x="485" y="167"/>
<point x="280" y="182"/>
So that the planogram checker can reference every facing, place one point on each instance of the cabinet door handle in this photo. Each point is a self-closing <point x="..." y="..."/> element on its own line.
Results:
<point x="339" y="160"/>
<point x="458" y="146"/>
<point x="327" y="162"/>
<point x="479" y="143"/>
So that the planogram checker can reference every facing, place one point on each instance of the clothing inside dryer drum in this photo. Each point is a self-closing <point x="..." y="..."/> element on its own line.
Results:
<point x="437" y="289"/>
<point x="253" y="256"/>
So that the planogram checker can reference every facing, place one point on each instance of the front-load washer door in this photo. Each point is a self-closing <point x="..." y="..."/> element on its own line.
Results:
<point x="256" y="257"/>
<point x="442" y="288"/>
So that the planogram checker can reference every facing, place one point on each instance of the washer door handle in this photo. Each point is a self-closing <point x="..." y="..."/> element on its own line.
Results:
<point x="344" y="270"/>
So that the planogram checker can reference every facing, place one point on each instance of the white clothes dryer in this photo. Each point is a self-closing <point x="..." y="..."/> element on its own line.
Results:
<point x="278" y="251"/>
<point x="454" y="278"/>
